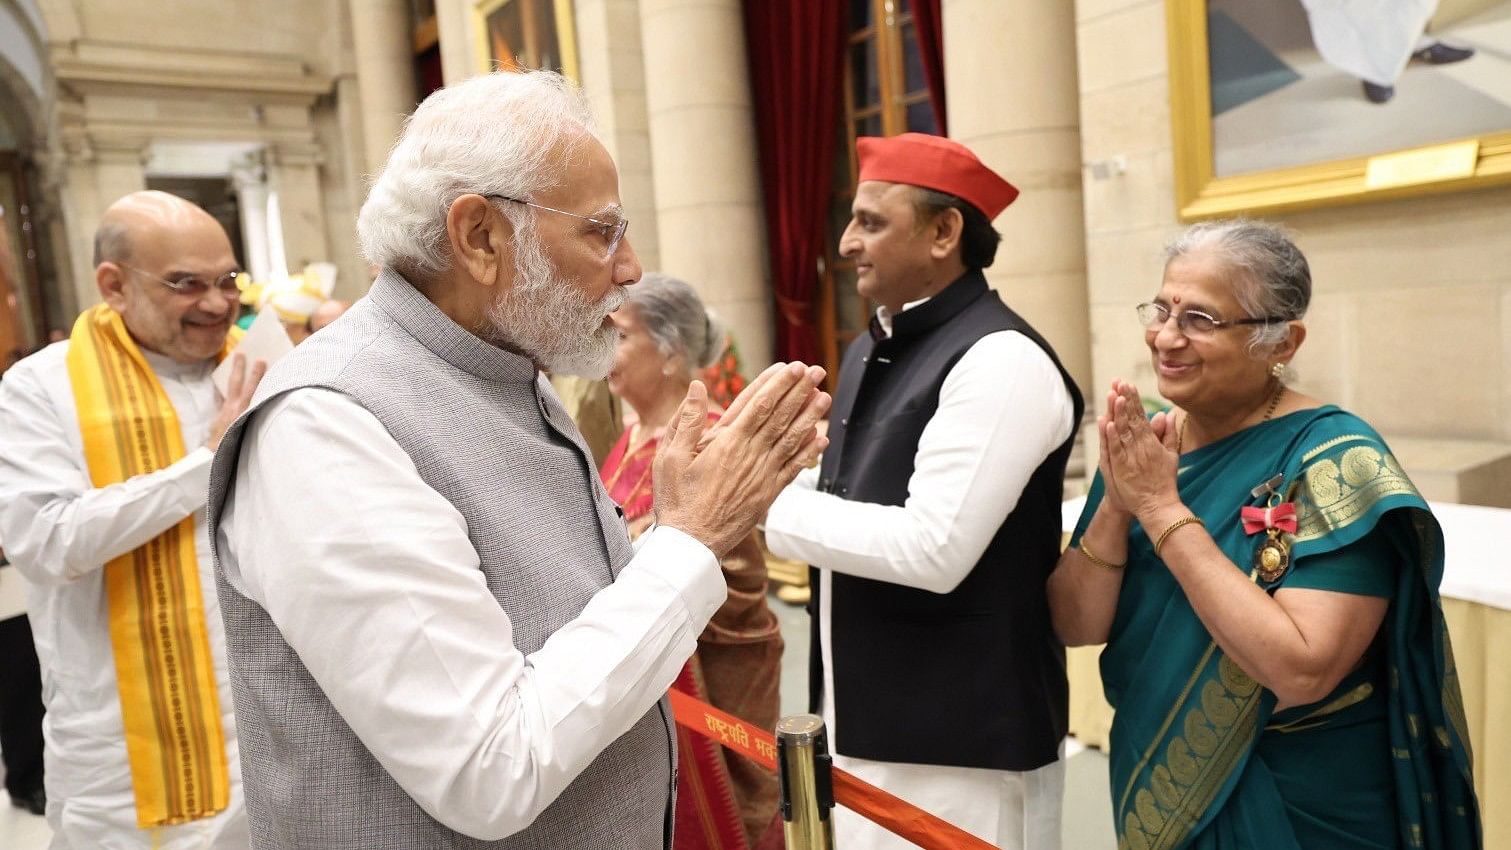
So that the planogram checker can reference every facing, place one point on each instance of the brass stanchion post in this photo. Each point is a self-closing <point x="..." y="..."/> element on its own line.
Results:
<point x="803" y="765"/>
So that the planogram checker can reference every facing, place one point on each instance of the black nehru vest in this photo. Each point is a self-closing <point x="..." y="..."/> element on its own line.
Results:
<point x="974" y="677"/>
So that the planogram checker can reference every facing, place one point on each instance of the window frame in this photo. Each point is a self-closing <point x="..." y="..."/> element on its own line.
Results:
<point x="888" y="28"/>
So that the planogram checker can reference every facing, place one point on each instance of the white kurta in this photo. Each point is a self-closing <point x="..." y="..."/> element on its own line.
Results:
<point x="331" y="529"/>
<point x="1002" y="410"/>
<point x="60" y="531"/>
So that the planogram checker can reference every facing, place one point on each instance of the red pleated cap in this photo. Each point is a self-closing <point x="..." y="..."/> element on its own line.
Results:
<point x="937" y="163"/>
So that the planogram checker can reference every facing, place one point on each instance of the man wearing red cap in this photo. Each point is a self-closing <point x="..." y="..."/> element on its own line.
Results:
<point x="934" y="519"/>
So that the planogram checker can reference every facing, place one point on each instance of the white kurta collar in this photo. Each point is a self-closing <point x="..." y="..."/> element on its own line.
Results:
<point x="884" y="316"/>
<point x="167" y="367"/>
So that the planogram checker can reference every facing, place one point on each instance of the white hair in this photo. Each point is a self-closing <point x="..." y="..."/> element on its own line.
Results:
<point x="491" y="135"/>
<point x="1273" y="278"/>
<point x="676" y="319"/>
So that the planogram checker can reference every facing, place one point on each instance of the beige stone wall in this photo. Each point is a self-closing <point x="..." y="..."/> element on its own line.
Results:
<point x="703" y="156"/>
<point x="1010" y="83"/>
<point x="1410" y="325"/>
<point x="270" y="74"/>
<point x="264" y="27"/>
<point x="612" y="71"/>
<point x="613" y="77"/>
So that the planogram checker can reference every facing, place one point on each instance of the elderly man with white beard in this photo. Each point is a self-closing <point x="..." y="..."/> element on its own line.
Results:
<point x="447" y="639"/>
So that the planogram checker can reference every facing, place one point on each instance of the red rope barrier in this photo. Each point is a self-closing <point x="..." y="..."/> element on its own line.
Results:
<point x="897" y="816"/>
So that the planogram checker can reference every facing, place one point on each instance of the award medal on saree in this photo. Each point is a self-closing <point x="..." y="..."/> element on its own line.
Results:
<point x="1272" y="558"/>
<point x="1275" y="519"/>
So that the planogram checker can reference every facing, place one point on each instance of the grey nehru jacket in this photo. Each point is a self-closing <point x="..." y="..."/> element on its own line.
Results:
<point x="485" y="432"/>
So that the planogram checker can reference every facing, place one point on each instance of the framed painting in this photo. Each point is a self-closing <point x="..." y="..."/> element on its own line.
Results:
<point x="526" y="34"/>
<point x="1282" y="105"/>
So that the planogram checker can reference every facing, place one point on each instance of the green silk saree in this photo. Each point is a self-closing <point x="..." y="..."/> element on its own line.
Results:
<point x="1198" y="756"/>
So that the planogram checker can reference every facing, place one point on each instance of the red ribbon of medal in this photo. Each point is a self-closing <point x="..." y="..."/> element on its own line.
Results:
<point x="1281" y="517"/>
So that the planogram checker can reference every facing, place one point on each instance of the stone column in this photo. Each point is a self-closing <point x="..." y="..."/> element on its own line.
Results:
<point x="1010" y="82"/>
<point x="381" y="42"/>
<point x="97" y="174"/>
<point x="53" y="231"/>
<point x="119" y="170"/>
<point x="61" y="299"/>
<point x="346" y="179"/>
<point x="711" y="226"/>
<point x="294" y="174"/>
<point x="454" y="20"/>
<point x="251" y="181"/>
<point x="613" y="79"/>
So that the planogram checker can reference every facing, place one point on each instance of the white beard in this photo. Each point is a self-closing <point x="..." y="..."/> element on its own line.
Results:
<point x="549" y="319"/>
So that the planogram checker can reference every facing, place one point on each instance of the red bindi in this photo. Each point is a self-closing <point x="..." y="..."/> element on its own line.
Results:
<point x="1177" y="299"/>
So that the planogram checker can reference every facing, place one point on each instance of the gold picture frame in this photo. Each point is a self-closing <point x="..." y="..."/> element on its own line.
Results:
<point x="542" y="40"/>
<point x="1468" y="163"/>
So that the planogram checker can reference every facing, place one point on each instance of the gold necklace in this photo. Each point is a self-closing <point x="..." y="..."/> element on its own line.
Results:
<point x="1180" y="434"/>
<point x="1274" y="402"/>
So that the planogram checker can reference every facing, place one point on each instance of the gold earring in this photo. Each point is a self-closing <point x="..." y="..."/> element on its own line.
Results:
<point x="1278" y="370"/>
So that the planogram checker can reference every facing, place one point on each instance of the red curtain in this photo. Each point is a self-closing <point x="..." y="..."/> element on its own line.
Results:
<point x="796" y="50"/>
<point x="927" y="24"/>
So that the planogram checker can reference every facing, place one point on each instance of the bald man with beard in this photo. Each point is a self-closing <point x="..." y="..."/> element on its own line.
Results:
<point x="106" y="440"/>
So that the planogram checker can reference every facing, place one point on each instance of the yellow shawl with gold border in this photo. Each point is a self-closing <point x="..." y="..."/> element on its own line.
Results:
<point x="166" y="676"/>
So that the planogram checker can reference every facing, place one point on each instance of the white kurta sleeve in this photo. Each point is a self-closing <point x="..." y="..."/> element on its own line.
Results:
<point x="1002" y="410"/>
<point x="805" y="480"/>
<point x="56" y="526"/>
<point x="370" y="577"/>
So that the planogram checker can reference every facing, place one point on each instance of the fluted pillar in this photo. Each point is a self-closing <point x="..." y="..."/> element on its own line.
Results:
<point x="384" y="53"/>
<point x="1010" y="82"/>
<point x="709" y="216"/>
<point x="251" y="181"/>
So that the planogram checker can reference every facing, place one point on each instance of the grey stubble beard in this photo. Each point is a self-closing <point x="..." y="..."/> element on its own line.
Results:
<point x="550" y="320"/>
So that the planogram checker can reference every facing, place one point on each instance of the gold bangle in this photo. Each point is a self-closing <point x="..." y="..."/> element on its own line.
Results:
<point x="1098" y="561"/>
<point x="1160" y="541"/>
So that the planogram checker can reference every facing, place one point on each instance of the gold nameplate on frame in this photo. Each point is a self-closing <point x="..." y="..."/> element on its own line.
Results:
<point x="1452" y="161"/>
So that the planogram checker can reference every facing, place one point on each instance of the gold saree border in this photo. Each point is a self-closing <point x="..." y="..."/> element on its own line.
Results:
<point x="1216" y="734"/>
<point x="1316" y="718"/>
<point x="1452" y="696"/>
<point x="1338" y="493"/>
<point x="1336" y="441"/>
<point x="1185" y="692"/>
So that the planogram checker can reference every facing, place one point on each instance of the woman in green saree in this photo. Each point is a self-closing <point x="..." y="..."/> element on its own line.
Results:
<point x="1265" y="578"/>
